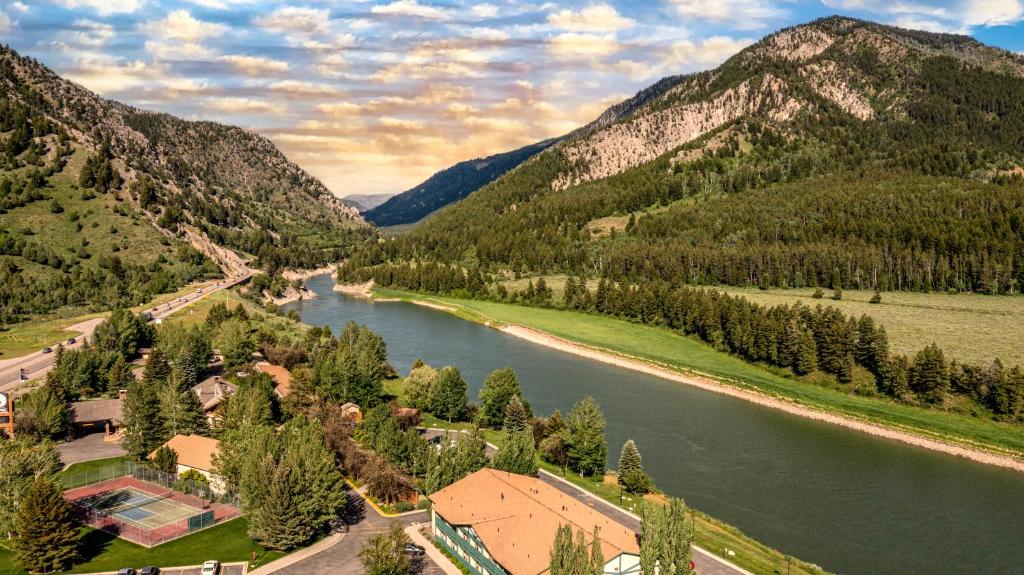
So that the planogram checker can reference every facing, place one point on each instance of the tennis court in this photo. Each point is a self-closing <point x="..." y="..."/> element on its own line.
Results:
<point x="136" y="507"/>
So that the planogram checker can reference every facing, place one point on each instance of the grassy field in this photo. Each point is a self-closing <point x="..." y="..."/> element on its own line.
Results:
<point x="672" y="350"/>
<point x="197" y="312"/>
<point x="713" y="535"/>
<point x="969" y="327"/>
<point x="102" y="551"/>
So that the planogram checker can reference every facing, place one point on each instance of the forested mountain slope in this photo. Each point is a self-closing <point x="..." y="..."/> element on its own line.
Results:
<point x="449" y="185"/>
<point x="96" y="197"/>
<point x="824" y="131"/>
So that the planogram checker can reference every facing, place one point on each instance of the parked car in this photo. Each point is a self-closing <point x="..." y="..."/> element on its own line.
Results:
<point x="339" y="526"/>
<point x="47" y="349"/>
<point x="414" y="550"/>
<point x="150" y="570"/>
<point x="126" y="571"/>
<point x="210" y="568"/>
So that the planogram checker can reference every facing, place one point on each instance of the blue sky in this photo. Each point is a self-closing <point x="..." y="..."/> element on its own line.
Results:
<point x="374" y="96"/>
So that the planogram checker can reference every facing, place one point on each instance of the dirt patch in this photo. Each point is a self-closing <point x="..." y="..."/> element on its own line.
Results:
<point x="358" y="290"/>
<point x="546" y="339"/>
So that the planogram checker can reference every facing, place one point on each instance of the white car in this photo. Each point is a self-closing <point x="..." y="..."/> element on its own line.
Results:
<point x="211" y="568"/>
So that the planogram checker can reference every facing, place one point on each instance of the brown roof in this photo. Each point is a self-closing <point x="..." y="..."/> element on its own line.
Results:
<point x="211" y="392"/>
<point x="517" y="517"/>
<point x="281" y="376"/>
<point x="94" y="410"/>
<point x="194" y="451"/>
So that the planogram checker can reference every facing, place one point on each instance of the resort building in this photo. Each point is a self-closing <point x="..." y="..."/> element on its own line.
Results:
<point x="212" y="392"/>
<point x="93" y="415"/>
<point x="196" y="452"/>
<point x="498" y="523"/>
<point x="281" y="376"/>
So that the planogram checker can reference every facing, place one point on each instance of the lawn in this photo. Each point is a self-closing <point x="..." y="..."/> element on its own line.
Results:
<point x="101" y="551"/>
<point x="672" y="350"/>
<point x="27" y="337"/>
<point x="197" y="312"/>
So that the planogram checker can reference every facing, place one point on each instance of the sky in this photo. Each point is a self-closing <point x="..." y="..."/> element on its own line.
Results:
<point x="375" y="96"/>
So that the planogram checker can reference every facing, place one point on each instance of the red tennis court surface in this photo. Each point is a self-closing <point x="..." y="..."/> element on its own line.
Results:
<point x="144" y="513"/>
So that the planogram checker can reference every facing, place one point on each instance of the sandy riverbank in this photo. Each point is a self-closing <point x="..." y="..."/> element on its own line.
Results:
<point x="292" y="275"/>
<point x="546" y="339"/>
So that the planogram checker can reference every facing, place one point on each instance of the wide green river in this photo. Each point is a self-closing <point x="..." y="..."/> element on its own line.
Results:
<point x="847" y="501"/>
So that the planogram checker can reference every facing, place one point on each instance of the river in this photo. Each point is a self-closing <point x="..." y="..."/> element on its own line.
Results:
<point x="847" y="501"/>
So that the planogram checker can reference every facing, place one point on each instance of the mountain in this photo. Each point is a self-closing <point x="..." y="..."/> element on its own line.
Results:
<point x="364" y="202"/>
<point x="449" y="185"/>
<point x="103" y="204"/>
<point x="837" y="153"/>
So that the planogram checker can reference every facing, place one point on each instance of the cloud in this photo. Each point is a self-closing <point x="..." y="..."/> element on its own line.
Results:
<point x="410" y="8"/>
<point x="179" y="35"/>
<point x="219" y="4"/>
<point x="739" y="14"/>
<point x="19" y="7"/>
<point x="254" y="65"/>
<point x="573" y="44"/>
<point x="958" y="16"/>
<point x="992" y="12"/>
<point x="5" y="23"/>
<point x="105" y="7"/>
<point x="484" y="10"/>
<point x="401" y="124"/>
<point x="295" y="20"/>
<point x="90" y="34"/>
<point x="242" y="106"/>
<point x="299" y="88"/>
<point x="595" y="18"/>
<point x="105" y="75"/>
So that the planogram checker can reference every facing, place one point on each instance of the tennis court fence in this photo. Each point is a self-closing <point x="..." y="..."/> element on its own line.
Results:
<point x="198" y="506"/>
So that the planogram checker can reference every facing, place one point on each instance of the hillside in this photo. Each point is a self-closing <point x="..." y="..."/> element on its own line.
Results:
<point x="653" y="188"/>
<point x="448" y="186"/>
<point x="101" y="203"/>
<point x="365" y="202"/>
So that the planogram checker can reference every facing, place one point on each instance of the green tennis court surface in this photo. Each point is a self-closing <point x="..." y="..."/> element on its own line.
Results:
<point x="138" y="508"/>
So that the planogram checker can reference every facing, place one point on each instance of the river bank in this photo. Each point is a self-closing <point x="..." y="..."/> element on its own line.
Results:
<point x="964" y="445"/>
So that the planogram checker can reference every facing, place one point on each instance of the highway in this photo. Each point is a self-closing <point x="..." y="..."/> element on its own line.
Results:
<point x="38" y="363"/>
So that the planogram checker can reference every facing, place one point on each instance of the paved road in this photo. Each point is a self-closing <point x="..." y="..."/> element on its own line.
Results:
<point x="38" y="363"/>
<point x="342" y="558"/>
<point x="226" y="569"/>
<point x="88" y="448"/>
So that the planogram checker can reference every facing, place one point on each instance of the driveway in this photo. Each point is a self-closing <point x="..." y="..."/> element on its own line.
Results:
<point x="342" y="558"/>
<point x="88" y="448"/>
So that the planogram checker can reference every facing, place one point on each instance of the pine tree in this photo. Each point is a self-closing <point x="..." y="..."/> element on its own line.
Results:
<point x="499" y="387"/>
<point x="587" y="447"/>
<point x="449" y="398"/>
<point x="157" y="368"/>
<point x="629" y="459"/>
<point x="275" y="518"/>
<point x="516" y="417"/>
<point x="517" y="453"/>
<point x="46" y="534"/>
<point x="143" y="422"/>
<point x="120" y="374"/>
<point x="182" y="413"/>
<point x="166" y="459"/>
<point x="929" y="375"/>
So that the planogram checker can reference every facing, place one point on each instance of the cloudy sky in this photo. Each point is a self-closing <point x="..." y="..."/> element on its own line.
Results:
<point x="376" y="96"/>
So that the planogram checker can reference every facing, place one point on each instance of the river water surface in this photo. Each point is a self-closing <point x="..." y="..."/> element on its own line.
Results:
<point x="847" y="501"/>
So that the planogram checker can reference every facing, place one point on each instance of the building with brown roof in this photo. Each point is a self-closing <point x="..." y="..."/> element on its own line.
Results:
<point x="281" y="376"/>
<point x="499" y="523"/>
<point x="196" y="452"/>
<point x="212" y="392"/>
<point x="97" y="414"/>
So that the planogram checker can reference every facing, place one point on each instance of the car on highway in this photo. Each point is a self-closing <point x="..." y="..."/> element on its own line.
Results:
<point x="414" y="550"/>
<point x="72" y="341"/>
<point x="47" y="349"/>
<point x="210" y="568"/>
<point x="149" y="570"/>
<point x="126" y="571"/>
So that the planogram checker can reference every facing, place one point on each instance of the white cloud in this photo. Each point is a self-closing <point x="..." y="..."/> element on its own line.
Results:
<point x="105" y="7"/>
<point x="401" y="124"/>
<point x="297" y="87"/>
<point x="992" y="12"/>
<point x="574" y="44"/>
<point x="595" y="18"/>
<point x="295" y="20"/>
<point x="19" y="7"/>
<point x="234" y="105"/>
<point x="219" y="4"/>
<point x="254" y="65"/>
<point x="90" y="34"/>
<point x="105" y="75"/>
<point x="740" y="14"/>
<point x="179" y="35"/>
<point x="5" y="23"/>
<point x="484" y="10"/>
<point x="410" y="8"/>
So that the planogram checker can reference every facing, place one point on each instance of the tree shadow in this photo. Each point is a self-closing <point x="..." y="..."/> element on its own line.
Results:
<point x="93" y="543"/>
